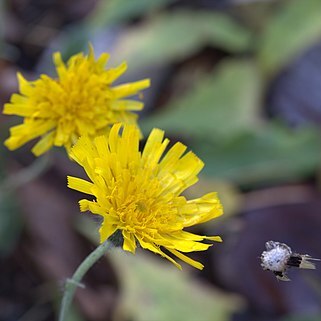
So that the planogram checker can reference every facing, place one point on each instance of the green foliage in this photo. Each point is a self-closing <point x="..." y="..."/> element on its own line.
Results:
<point x="272" y="154"/>
<point x="173" y="36"/>
<point x="289" y="32"/>
<point x="220" y="117"/>
<point x="156" y="291"/>
<point x="107" y="13"/>
<point x="221" y="104"/>
<point x="118" y="11"/>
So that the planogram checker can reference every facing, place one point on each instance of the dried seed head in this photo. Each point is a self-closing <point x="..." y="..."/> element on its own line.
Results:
<point x="278" y="257"/>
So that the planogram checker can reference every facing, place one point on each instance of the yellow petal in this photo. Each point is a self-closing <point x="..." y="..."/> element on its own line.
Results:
<point x="169" y="162"/>
<point x="153" y="248"/>
<point x="106" y="230"/>
<point x="129" y="242"/>
<point x="80" y="185"/>
<point x="154" y="147"/>
<point x="213" y="238"/>
<point x="25" y="86"/>
<point x="114" y="138"/>
<point x="115" y="73"/>
<point x="187" y="260"/>
<point x="123" y="104"/>
<point x="130" y="89"/>
<point x="44" y="144"/>
<point x="18" y="109"/>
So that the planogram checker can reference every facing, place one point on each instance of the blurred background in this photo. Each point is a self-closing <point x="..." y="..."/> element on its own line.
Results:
<point x="239" y="82"/>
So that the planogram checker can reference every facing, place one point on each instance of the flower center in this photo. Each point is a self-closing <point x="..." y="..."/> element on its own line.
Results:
<point x="80" y="103"/>
<point x="144" y="209"/>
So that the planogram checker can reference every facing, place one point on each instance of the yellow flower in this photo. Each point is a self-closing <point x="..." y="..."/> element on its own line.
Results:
<point x="139" y="194"/>
<point x="79" y="102"/>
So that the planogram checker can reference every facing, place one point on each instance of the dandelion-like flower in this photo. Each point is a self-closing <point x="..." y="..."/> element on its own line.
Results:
<point x="139" y="194"/>
<point x="80" y="101"/>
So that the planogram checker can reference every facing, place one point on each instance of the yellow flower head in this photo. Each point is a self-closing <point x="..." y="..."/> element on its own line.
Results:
<point x="139" y="194"/>
<point x="79" y="102"/>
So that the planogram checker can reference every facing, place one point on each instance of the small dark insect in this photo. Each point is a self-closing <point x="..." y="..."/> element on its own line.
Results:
<point x="278" y="257"/>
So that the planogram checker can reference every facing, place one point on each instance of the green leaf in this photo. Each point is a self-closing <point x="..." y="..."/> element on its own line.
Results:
<point x="171" y="37"/>
<point x="221" y="105"/>
<point x="273" y="154"/>
<point x="289" y="33"/>
<point x="156" y="290"/>
<point x="118" y="11"/>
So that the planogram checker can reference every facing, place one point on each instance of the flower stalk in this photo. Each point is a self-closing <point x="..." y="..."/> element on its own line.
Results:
<point x="25" y="175"/>
<point x="74" y="282"/>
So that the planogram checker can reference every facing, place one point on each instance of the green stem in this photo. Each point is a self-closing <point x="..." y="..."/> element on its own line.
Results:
<point x="72" y="284"/>
<point x="25" y="175"/>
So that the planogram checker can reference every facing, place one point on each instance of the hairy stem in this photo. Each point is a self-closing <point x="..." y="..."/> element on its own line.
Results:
<point x="72" y="284"/>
